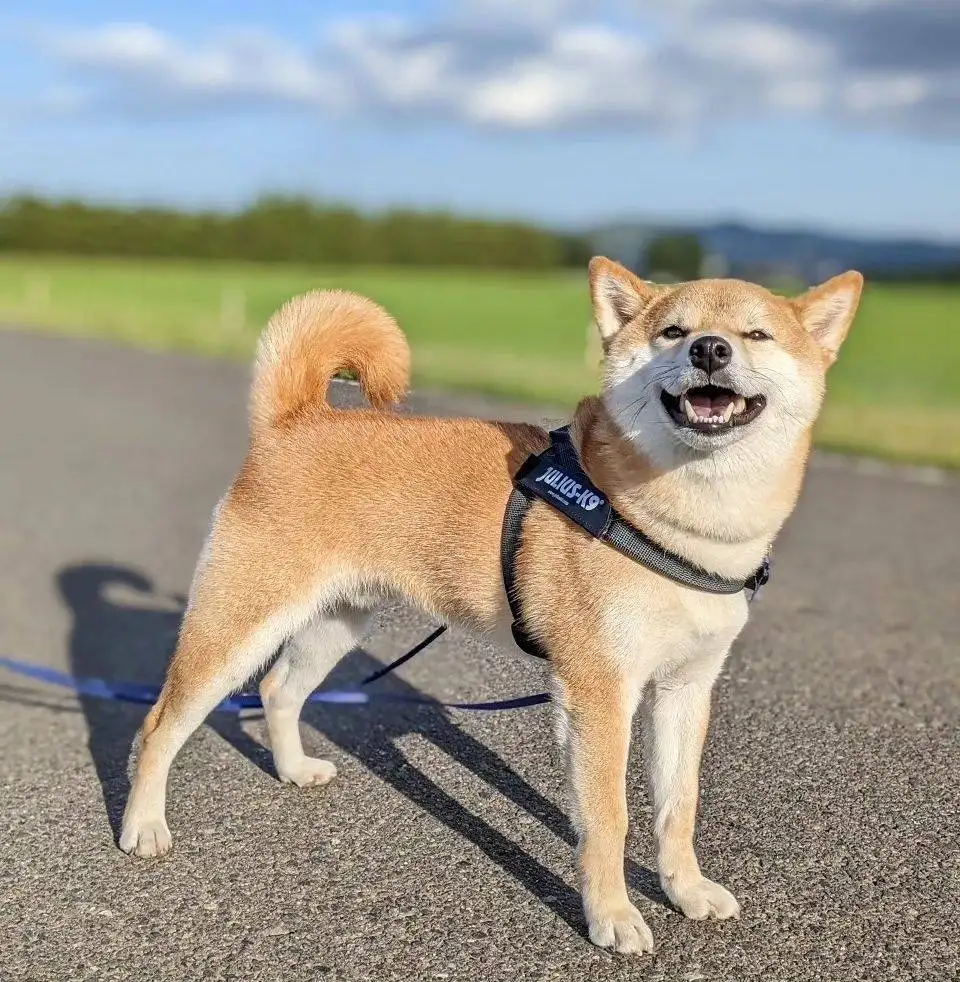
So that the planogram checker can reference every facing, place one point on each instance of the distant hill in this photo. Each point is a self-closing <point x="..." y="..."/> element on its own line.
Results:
<point x="739" y="249"/>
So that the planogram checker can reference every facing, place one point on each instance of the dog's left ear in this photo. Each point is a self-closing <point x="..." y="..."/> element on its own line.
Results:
<point x="618" y="296"/>
<point x="827" y="311"/>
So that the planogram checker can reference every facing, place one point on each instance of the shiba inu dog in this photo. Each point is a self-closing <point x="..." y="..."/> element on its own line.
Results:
<point x="700" y="438"/>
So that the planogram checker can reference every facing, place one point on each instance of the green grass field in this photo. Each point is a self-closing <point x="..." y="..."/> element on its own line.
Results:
<point x="895" y="391"/>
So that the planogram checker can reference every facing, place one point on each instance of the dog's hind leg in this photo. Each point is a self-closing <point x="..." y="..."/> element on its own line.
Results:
<point x="236" y="620"/>
<point x="303" y="664"/>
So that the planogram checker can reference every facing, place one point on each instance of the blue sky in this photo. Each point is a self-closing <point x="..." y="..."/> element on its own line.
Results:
<point x="842" y="114"/>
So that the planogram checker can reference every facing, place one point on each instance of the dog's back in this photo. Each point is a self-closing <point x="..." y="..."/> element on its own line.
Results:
<point x="406" y="500"/>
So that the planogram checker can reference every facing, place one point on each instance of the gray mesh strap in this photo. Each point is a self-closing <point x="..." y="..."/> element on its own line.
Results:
<point x="630" y="541"/>
<point x="636" y="546"/>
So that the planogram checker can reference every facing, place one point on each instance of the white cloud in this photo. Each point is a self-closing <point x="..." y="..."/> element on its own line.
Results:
<point x="136" y="66"/>
<point x="554" y="64"/>
<point x="769" y="49"/>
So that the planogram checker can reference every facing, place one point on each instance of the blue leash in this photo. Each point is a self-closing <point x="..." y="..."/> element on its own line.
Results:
<point x="147" y="694"/>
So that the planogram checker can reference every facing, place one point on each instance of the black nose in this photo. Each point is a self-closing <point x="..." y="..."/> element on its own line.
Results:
<point x="710" y="353"/>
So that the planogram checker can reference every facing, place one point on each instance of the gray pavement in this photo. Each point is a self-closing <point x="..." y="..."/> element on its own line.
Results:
<point x="830" y="787"/>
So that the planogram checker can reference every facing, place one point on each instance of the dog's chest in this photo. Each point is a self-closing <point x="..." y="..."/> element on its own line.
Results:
<point x="658" y="622"/>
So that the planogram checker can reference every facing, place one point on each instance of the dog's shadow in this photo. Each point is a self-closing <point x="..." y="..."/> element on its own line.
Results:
<point x="123" y="630"/>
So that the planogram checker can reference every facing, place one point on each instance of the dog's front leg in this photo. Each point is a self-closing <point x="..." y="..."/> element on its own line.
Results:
<point x="597" y="718"/>
<point x="677" y="714"/>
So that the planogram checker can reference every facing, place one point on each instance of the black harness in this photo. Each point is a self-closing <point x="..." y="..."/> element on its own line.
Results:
<point x="556" y="477"/>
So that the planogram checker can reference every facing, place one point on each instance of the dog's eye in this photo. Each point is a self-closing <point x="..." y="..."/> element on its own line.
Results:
<point x="673" y="332"/>
<point x="758" y="336"/>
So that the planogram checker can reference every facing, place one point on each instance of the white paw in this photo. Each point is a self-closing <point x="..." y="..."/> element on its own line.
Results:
<point x="145" y="838"/>
<point x="703" y="898"/>
<point x="621" y="928"/>
<point x="307" y="772"/>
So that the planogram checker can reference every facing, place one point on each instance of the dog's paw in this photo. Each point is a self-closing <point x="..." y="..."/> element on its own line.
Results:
<point x="308" y="772"/>
<point x="621" y="928"/>
<point x="702" y="899"/>
<point x="146" y="839"/>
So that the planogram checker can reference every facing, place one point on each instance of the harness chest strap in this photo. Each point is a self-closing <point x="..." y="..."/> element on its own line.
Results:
<point x="556" y="477"/>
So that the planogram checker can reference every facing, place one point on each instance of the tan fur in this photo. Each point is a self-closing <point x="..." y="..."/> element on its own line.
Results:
<point x="333" y="511"/>
<point x="313" y="337"/>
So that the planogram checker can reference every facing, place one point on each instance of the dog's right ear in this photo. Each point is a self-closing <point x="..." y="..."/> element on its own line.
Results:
<point x="618" y="296"/>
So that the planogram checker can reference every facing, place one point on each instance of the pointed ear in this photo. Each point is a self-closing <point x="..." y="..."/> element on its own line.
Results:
<point x="618" y="296"/>
<point x="826" y="311"/>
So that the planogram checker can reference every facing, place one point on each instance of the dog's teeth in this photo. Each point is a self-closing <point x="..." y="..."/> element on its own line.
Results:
<point x="689" y="410"/>
<point x="728" y="412"/>
<point x="740" y="405"/>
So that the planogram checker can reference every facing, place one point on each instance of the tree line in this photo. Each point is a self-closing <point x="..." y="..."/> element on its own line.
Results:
<point x="279" y="229"/>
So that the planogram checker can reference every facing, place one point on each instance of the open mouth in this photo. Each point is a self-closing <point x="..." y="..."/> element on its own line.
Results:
<point x="711" y="408"/>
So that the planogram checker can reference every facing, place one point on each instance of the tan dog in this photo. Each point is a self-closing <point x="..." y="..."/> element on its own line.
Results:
<point x="700" y="439"/>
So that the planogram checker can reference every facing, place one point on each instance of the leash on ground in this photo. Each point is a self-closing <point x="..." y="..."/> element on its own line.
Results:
<point x="147" y="694"/>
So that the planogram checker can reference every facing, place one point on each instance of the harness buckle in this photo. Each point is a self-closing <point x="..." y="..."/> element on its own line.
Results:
<point x="759" y="579"/>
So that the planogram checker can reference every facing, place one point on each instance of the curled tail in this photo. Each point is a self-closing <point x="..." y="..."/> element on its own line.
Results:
<point x="313" y="337"/>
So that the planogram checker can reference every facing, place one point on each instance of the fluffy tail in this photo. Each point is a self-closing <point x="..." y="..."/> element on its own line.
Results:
<point x="313" y="337"/>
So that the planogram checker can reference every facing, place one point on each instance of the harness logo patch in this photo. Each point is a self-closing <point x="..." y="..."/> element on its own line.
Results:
<point x="573" y="490"/>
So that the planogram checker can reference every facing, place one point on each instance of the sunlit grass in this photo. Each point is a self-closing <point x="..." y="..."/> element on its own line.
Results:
<point x="894" y="392"/>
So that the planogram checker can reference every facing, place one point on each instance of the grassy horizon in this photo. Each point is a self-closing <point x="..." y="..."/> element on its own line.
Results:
<point x="522" y="335"/>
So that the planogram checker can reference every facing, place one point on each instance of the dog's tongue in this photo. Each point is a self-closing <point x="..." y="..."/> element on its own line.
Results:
<point x="710" y="404"/>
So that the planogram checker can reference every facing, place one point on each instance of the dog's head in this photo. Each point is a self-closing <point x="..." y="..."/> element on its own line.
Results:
<point x="697" y="368"/>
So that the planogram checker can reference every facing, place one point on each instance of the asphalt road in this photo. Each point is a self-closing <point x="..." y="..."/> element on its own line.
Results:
<point x="830" y="789"/>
